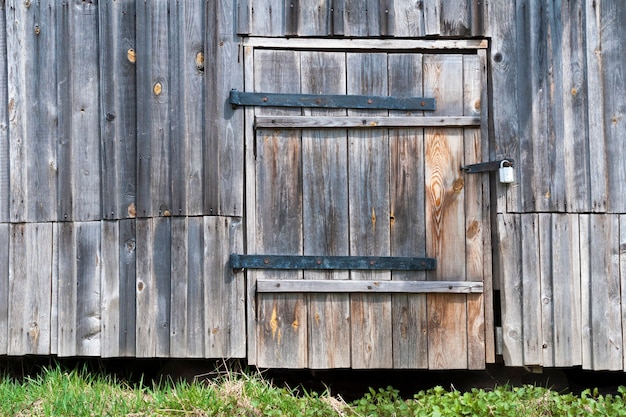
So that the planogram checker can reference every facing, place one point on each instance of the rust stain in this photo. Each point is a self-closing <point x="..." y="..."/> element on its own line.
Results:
<point x="132" y="210"/>
<point x="130" y="55"/>
<point x="392" y="219"/>
<point x="473" y="229"/>
<point x="373" y="218"/>
<point x="215" y="330"/>
<point x="317" y="318"/>
<point x="574" y="92"/>
<point x="295" y="325"/>
<point x="274" y="323"/>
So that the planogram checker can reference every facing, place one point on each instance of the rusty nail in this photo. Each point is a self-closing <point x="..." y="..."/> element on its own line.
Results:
<point x="264" y="99"/>
<point x="370" y="101"/>
<point x="266" y="261"/>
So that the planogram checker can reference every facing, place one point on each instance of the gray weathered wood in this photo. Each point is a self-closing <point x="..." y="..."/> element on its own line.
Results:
<point x="224" y="291"/>
<point x="445" y="207"/>
<point x="224" y="146"/>
<point x="368" y="176"/>
<point x="408" y="18"/>
<point x="4" y="287"/>
<point x="406" y="208"/>
<point x="78" y="148"/>
<point x="547" y="288"/>
<point x="5" y="178"/>
<point x="622" y="269"/>
<point x="602" y="339"/>
<point x="187" y="288"/>
<point x="531" y="290"/>
<point x="30" y="287"/>
<point x="365" y="286"/>
<point x="511" y="288"/>
<point x="79" y="302"/>
<point x="455" y="18"/>
<point x="33" y="110"/>
<point x="110" y="290"/>
<point x="267" y="17"/>
<point x="381" y="45"/>
<point x="118" y="118"/>
<point x="153" y="287"/>
<point x="364" y="122"/>
<point x="282" y="319"/>
<point x="325" y="208"/>
<point x="153" y="121"/>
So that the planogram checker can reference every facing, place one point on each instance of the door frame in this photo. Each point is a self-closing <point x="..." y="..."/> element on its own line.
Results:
<point x="479" y="46"/>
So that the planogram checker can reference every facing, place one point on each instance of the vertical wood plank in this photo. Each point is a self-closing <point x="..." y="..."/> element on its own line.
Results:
<point x="224" y="290"/>
<point x="79" y="318"/>
<point x="224" y="126"/>
<point x="599" y="190"/>
<point x="32" y="94"/>
<point x="566" y="287"/>
<point x="408" y="18"/>
<point x="531" y="290"/>
<point x="153" y="98"/>
<point x="614" y="61"/>
<point x="153" y="287"/>
<point x="432" y="17"/>
<point x="455" y="18"/>
<point x="187" y="311"/>
<point x="602" y="312"/>
<point x="314" y="18"/>
<point x="4" y="287"/>
<point x="325" y="209"/>
<point x="445" y="207"/>
<point x="118" y="102"/>
<point x="622" y="269"/>
<point x="267" y="17"/>
<point x="78" y="100"/>
<point x="407" y="226"/>
<point x="186" y="60"/>
<point x="282" y="318"/>
<point x="127" y="287"/>
<point x="30" y="288"/>
<point x="5" y="180"/>
<point x="362" y="18"/>
<point x="511" y="288"/>
<point x="368" y="176"/>
<point x="110" y="289"/>
<point x="547" y="288"/>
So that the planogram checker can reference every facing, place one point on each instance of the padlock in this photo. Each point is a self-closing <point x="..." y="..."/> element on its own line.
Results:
<point x="506" y="172"/>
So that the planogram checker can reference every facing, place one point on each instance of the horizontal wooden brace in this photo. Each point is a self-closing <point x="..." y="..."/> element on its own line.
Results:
<point x="367" y="44"/>
<point x="329" y="122"/>
<point x="348" y="286"/>
<point x="341" y="101"/>
<point x="397" y="263"/>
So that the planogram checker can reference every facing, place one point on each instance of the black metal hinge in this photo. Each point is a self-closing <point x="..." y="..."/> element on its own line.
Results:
<point x="239" y="98"/>
<point x="238" y="261"/>
<point x="487" y="166"/>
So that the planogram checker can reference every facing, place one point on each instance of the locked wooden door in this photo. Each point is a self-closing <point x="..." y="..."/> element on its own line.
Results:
<point x="357" y="183"/>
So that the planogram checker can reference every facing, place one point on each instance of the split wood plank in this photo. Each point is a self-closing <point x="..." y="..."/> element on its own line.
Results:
<point x="445" y="208"/>
<point x="224" y="290"/>
<point x="187" y="286"/>
<point x="30" y="288"/>
<point x="118" y="289"/>
<point x="153" y="287"/>
<point x="368" y="176"/>
<point x="281" y="319"/>
<point x="118" y="116"/>
<point x="532" y="296"/>
<point x="79" y="302"/>
<point x="600" y="292"/>
<point x="223" y="127"/>
<point x="365" y="122"/>
<point x="4" y="287"/>
<point x="511" y="288"/>
<point x="187" y="23"/>
<point x="78" y="150"/>
<point x="153" y="121"/>
<point x="32" y="110"/>
<point x="407" y="225"/>
<point x="5" y="179"/>
<point x="614" y="79"/>
<point x="325" y="209"/>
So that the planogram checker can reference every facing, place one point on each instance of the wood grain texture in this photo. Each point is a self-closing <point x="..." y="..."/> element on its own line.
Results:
<point x="366" y="286"/>
<point x="153" y="287"/>
<point x="224" y="291"/>
<point x="79" y="301"/>
<point x="314" y="18"/>
<point x="368" y="175"/>
<point x="533" y="296"/>
<point x="5" y="178"/>
<point x="622" y="269"/>
<point x="362" y="18"/>
<point x="32" y="111"/>
<point x="325" y="211"/>
<point x="408" y="18"/>
<point x="78" y="131"/>
<point x="153" y="122"/>
<point x="223" y="126"/>
<point x="118" y="118"/>
<point x="30" y="283"/>
<point x="267" y="17"/>
<point x="281" y="319"/>
<point x="406" y="213"/>
<point x="363" y="122"/>
<point x="4" y="287"/>
<point x="547" y="289"/>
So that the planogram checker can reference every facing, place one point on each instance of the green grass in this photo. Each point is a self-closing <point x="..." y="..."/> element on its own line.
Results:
<point x="59" y="392"/>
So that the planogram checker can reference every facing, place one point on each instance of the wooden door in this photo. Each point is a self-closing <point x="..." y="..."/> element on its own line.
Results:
<point x="379" y="182"/>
